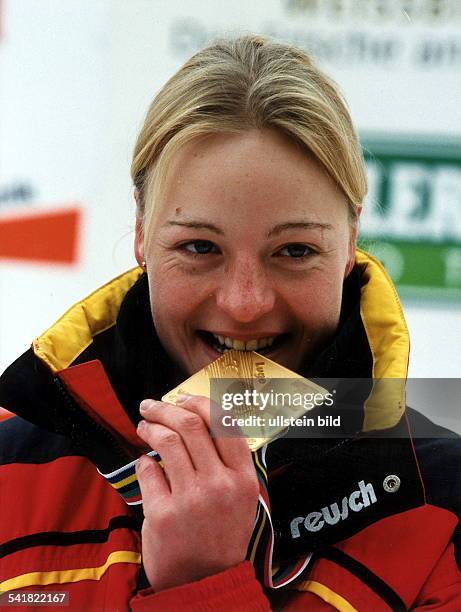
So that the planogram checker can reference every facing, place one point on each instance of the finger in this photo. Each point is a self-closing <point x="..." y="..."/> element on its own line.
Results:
<point x="233" y="450"/>
<point x="175" y="458"/>
<point x="152" y="481"/>
<point x="190" y="426"/>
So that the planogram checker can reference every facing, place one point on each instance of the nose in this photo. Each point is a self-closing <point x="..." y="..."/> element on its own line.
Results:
<point x="244" y="292"/>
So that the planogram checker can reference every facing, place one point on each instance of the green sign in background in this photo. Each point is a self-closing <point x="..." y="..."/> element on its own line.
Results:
<point x="412" y="217"/>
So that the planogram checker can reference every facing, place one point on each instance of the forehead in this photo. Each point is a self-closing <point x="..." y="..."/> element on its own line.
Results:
<point x="260" y="175"/>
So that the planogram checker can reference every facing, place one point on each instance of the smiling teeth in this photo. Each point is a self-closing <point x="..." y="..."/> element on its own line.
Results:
<point x="250" y="345"/>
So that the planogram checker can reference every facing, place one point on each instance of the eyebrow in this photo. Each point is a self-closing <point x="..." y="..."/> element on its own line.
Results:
<point x="278" y="229"/>
<point x="198" y="225"/>
<point x="275" y="231"/>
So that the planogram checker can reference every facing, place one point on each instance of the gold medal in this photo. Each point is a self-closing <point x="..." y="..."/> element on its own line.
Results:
<point x="246" y="375"/>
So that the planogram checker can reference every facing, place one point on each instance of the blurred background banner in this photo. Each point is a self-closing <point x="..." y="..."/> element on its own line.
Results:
<point x="412" y="218"/>
<point x="76" y="78"/>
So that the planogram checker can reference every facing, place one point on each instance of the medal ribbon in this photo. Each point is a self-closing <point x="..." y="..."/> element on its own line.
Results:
<point x="261" y="545"/>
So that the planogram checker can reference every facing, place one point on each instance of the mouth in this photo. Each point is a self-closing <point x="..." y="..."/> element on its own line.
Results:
<point x="221" y="344"/>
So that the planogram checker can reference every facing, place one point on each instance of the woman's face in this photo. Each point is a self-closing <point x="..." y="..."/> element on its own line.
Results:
<point x="248" y="248"/>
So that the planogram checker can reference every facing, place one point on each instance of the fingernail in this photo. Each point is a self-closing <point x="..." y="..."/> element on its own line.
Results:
<point x="183" y="398"/>
<point x="146" y="404"/>
<point x="141" y="425"/>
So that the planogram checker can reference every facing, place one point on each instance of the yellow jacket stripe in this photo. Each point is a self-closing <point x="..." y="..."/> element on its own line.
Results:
<point x="330" y="597"/>
<point x="70" y="575"/>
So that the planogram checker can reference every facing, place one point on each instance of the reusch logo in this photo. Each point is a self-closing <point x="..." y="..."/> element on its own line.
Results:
<point x="357" y="500"/>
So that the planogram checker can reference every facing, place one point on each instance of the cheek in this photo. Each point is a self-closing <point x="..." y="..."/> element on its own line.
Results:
<point x="318" y="303"/>
<point x="174" y="297"/>
<point x="168" y="299"/>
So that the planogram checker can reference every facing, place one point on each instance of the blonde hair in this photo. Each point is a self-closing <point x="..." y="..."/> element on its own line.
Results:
<point x="235" y="85"/>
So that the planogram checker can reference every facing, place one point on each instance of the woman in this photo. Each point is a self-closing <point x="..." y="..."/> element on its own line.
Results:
<point x="249" y="182"/>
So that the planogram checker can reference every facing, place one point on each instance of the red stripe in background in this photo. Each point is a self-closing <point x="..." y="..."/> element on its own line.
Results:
<point x="41" y="236"/>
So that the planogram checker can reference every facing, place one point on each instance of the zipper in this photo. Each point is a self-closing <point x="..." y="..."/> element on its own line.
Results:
<point x="91" y="425"/>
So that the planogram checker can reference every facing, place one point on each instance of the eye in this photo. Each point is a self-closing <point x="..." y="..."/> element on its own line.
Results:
<point x="199" y="247"/>
<point x="295" y="250"/>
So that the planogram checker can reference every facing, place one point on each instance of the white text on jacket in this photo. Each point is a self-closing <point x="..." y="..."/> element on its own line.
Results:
<point x="357" y="500"/>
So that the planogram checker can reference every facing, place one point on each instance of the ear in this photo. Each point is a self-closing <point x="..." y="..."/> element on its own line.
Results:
<point x="139" y="234"/>
<point x="139" y="243"/>
<point x="352" y="245"/>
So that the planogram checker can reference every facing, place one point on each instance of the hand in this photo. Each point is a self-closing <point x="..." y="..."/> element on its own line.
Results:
<point x="200" y="509"/>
